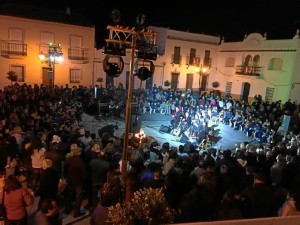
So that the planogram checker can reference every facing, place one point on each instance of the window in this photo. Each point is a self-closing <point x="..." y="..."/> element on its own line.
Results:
<point x="76" y="41"/>
<point x="230" y="62"/>
<point x="228" y="88"/>
<point x="256" y="61"/>
<point x="192" y="57"/>
<point x="247" y="67"/>
<point x="275" y="64"/>
<point x="177" y="57"/>
<point x="269" y="94"/>
<point x="76" y="52"/>
<point x="248" y="61"/>
<point x="16" y="35"/>
<point x="207" y="61"/>
<point x="20" y="71"/>
<point x="75" y="76"/>
<point x="46" y="38"/>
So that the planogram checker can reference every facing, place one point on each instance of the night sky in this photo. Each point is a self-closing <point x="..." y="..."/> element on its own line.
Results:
<point x="228" y="19"/>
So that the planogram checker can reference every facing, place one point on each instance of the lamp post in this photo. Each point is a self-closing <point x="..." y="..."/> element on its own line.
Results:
<point x="55" y="55"/>
<point x="200" y="70"/>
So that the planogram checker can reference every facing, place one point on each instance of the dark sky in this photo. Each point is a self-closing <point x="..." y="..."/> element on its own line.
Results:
<point x="229" y="19"/>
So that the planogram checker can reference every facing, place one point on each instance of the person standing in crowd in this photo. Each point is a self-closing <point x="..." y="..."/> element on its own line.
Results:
<point x="291" y="207"/>
<point x="37" y="158"/>
<point x="76" y="174"/>
<point x="16" y="199"/>
<point x="48" y="188"/>
<point x="257" y="200"/>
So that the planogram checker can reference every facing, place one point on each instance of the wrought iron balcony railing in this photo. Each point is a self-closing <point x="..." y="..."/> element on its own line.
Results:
<point x="248" y="70"/>
<point x="192" y="61"/>
<point x="13" y="48"/>
<point x="79" y="54"/>
<point x="176" y="59"/>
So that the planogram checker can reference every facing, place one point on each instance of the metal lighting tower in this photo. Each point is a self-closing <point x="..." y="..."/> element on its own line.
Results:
<point x="141" y="41"/>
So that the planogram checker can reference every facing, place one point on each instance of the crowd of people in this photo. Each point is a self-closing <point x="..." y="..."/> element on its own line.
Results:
<point x="44" y="145"/>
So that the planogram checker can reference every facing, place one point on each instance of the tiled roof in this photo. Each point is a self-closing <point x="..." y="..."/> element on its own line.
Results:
<point x="45" y="14"/>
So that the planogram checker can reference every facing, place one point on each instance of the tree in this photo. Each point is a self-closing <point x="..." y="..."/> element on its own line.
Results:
<point x="12" y="76"/>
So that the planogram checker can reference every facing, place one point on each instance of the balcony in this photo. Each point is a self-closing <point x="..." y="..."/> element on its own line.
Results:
<point x="78" y="55"/>
<point x="207" y="62"/>
<point x="176" y="60"/>
<point x="254" y="71"/>
<point x="193" y="61"/>
<point x="13" y="49"/>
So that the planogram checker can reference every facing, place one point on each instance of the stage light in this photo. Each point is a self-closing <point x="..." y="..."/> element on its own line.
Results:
<point x="116" y="16"/>
<point x="112" y="48"/>
<point x="144" y="72"/>
<point x="151" y="54"/>
<point x="113" y="68"/>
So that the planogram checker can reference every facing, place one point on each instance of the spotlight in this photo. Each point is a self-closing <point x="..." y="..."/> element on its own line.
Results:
<point x="151" y="54"/>
<point x="113" y="69"/>
<point x="144" y="72"/>
<point x="116" y="16"/>
<point x="140" y="19"/>
<point x="114" y="48"/>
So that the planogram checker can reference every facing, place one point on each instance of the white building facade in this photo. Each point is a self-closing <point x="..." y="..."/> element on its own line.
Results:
<point x="253" y="66"/>
<point x="24" y="39"/>
<point x="256" y="65"/>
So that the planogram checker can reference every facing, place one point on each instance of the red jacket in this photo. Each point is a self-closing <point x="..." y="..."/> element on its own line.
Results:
<point x="15" y="203"/>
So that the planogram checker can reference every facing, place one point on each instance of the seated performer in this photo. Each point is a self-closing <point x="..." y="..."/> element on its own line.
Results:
<point x="179" y="126"/>
<point x="201" y="135"/>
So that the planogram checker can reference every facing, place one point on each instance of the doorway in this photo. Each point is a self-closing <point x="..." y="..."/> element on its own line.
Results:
<point x="174" y="80"/>
<point x="189" y="81"/>
<point x="246" y="90"/>
<point x="46" y="76"/>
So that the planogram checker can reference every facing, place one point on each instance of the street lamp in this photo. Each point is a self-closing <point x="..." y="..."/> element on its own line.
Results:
<point x="55" y="55"/>
<point x="200" y="70"/>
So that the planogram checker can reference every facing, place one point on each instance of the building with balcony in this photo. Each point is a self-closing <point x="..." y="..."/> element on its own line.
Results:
<point x="179" y="54"/>
<point x="27" y="31"/>
<point x="252" y="66"/>
<point x="257" y="65"/>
